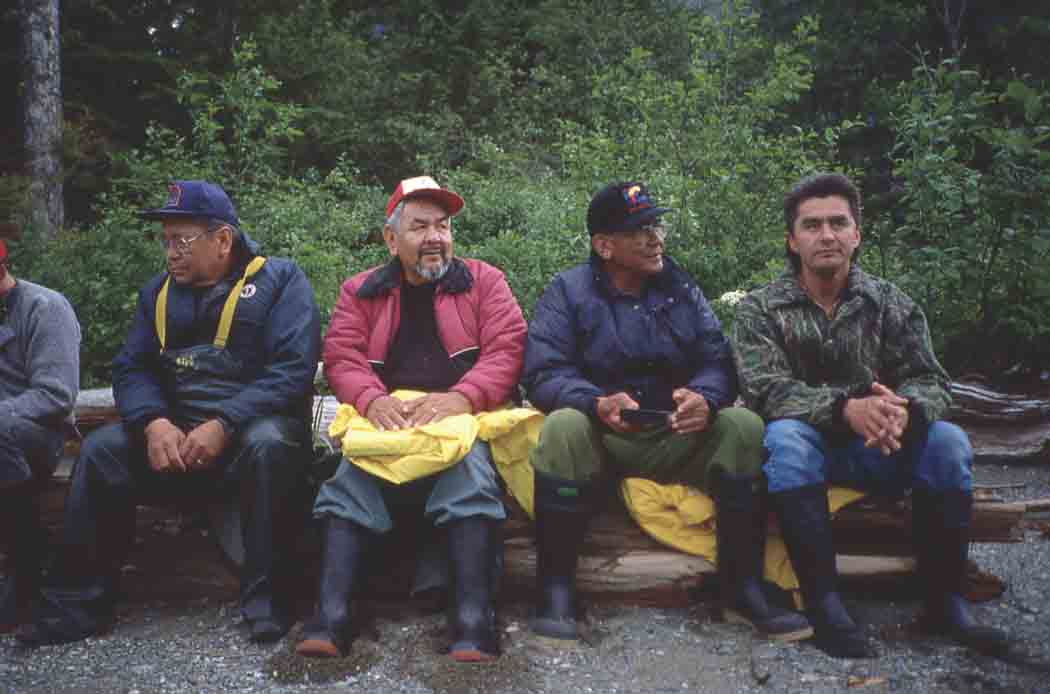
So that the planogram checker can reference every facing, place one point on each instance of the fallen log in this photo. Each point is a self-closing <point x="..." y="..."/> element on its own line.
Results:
<point x="1003" y="427"/>
<point x="618" y="562"/>
<point x="621" y="562"/>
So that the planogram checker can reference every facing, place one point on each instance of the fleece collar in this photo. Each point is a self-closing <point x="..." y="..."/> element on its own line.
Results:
<point x="457" y="280"/>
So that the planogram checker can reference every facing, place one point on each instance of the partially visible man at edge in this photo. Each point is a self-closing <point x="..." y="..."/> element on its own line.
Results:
<point x="39" y="380"/>
<point x="630" y="329"/>
<point x="214" y="387"/>
<point x="448" y="326"/>
<point x="841" y="367"/>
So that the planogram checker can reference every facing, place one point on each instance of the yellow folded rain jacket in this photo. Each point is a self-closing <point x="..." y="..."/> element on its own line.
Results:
<point x="684" y="518"/>
<point x="409" y="454"/>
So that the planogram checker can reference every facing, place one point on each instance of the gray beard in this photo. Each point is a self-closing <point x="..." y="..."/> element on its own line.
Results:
<point x="431" y="273"/>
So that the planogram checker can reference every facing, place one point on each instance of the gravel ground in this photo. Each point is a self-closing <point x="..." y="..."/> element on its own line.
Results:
<point x="189" y="643"/>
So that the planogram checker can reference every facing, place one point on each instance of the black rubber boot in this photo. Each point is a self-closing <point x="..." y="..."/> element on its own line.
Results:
<point x="269" y="518"/>
<point x="25" y="543"/>
<point x="741" y="525"/>
<point x="79" y="596"/>
<point x="472" y="555"/>
<point x="327" y="634"/>
<point x="563" y="510"/>
<point x="805" y="525"/>
<point x="941" y="533"/>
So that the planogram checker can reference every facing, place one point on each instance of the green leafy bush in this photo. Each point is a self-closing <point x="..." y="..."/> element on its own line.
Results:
<point x="969" y="237"/>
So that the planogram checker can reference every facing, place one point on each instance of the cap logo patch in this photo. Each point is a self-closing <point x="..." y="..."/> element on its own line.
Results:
<point x="411" y="185"/>
<point x="174" y="195"/>
<point x="636" y="198"/>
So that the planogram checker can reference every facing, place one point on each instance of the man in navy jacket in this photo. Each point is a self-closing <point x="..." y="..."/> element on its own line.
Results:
<point x="626" y="330"/>
<point x="214" y="388"/>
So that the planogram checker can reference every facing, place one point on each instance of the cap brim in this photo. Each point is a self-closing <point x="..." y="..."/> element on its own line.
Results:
<point x="638" y="219"/>
<point x="159" y="214"/>
<point x="451" y="202"/>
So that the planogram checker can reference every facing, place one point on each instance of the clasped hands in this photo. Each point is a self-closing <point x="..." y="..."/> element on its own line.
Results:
<point x="880" y="418"/>
<point x="691" y="413"/>
<point x="389" y="413"/>
<point x="170" y="449"/>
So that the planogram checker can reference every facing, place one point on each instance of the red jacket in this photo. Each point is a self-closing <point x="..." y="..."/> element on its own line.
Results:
<point x="474" y="310"/>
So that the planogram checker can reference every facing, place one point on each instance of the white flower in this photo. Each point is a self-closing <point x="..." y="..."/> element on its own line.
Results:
<point x="732" y="298"/>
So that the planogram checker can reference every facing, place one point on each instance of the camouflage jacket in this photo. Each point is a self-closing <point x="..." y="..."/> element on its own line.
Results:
<point x="796" y="363"/>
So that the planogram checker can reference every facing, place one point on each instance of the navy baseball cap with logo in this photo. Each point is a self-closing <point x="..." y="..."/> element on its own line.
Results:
<point x="622" y="207"/>
<point x="199" y="199"/>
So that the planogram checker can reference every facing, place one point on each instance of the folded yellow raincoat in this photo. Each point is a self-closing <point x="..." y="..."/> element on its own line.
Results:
<point x="684" y="518"/>
<point x="409" y="454"/>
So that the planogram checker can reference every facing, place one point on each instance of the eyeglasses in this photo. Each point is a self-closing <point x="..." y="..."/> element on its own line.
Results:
<point x="657" y="230"/>
<point x="180" y="244"/>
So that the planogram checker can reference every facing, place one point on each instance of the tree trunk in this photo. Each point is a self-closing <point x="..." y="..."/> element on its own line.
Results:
<point x="41" y="111"/>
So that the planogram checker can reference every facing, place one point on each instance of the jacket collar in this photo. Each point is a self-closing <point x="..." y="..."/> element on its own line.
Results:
<point x="672" y="280"/>
<point x="787" y="290"/>
<point x="458" y="279"/>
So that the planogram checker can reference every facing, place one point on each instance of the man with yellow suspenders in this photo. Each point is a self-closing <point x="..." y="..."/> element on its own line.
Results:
<point x="214" y="388"/>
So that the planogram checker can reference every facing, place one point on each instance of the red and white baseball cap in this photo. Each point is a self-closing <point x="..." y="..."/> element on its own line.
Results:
<point x="424" y="187"/>
<point x="3" y="250"/>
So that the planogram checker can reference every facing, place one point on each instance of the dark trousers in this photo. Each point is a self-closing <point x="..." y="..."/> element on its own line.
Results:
<point x="263" y="466"/>
<point x="28" y="452"/>
<point x="28" y="455"/>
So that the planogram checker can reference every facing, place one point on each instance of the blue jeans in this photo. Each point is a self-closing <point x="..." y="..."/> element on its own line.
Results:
<point x="939" y="460"/>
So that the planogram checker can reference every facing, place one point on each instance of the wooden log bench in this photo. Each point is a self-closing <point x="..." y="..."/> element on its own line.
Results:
<point x="619" y="562"/>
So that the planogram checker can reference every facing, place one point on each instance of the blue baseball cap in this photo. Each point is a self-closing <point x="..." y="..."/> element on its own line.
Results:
<point x="195" y="199"/>
<point x="622" y="207"/>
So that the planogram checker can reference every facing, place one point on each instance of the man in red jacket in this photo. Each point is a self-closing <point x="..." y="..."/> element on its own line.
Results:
<point x="450" y="327"/>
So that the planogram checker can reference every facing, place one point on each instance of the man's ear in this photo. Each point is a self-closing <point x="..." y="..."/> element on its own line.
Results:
<point x="602" y="244"/>
<point x="389" y="237"/>
<point x="225" y="233"/>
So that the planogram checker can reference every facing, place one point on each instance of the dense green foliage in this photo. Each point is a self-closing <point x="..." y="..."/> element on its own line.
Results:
<point x="309" y="112"/>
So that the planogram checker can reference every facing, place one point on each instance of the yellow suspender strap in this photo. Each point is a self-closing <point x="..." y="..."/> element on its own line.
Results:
<point x="225" y="322"/>
<point x="160" y="315"/>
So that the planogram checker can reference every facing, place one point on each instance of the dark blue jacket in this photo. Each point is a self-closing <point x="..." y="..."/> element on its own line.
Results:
<point x="587" y="339"/>
<point x="276" y="334"/>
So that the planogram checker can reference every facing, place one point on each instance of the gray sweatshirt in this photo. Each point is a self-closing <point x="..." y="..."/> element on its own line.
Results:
<point x="39" y="355"/>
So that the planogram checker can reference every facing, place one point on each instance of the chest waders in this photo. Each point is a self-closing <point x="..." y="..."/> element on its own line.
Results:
<point x="204" y="376"/>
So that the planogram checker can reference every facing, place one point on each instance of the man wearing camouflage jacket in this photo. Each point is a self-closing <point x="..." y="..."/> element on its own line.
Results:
<point x="841" y="367"/>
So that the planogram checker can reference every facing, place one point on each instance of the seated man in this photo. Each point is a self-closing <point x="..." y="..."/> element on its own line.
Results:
<point x="450" y="327"/>
<point x="840" y="365"/>
<point x="214" y="387"/>
<point x="39" y="378"/>
<point x="629" y="329"/>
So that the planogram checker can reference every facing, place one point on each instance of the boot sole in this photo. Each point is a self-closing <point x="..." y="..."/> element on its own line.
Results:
<point x="318" y="648"/>
<point x="733" y="617"/>
<point x="558" y="629"/>
<point x="471" y="655"/>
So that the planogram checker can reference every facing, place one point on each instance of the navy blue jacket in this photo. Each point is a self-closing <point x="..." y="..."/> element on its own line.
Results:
<point x="276" y="334"/>
<point x="587" y="340"/>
